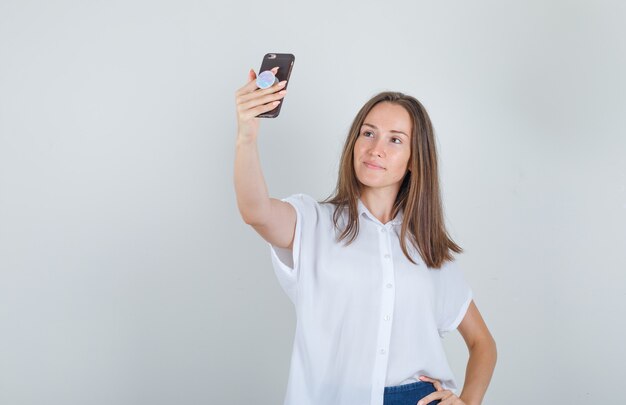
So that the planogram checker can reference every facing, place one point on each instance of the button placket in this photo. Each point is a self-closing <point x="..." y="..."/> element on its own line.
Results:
<point x="386" y="309"/>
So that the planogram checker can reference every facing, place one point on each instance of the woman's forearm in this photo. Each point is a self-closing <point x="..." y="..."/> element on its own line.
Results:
<point x="252" y="196"/>
<point x="480" y="366"/>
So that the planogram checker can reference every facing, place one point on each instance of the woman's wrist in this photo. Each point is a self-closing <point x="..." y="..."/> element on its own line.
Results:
<point x="468" y="402"/>
<point x="245" y="139"/>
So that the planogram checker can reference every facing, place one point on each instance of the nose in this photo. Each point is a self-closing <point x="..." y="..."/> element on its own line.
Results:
<point x="378" y="148"/>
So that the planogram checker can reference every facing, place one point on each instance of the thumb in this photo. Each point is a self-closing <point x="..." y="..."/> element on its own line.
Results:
<point x="251" y="74"/>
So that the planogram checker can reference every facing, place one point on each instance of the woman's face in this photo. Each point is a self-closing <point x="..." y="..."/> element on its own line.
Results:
<point x="383" y="148"/>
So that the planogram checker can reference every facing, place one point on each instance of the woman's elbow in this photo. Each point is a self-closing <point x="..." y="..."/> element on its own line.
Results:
<point x="253" y="216"/>
<point x="485" y="344"/>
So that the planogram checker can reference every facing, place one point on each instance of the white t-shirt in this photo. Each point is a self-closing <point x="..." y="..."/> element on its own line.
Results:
<point x="367" y="317"/>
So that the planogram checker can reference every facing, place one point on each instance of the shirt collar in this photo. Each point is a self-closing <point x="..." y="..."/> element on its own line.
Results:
<point x="362" y="210"/>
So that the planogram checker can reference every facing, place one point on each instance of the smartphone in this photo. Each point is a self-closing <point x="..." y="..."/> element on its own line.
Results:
<point x="285" y="63"/>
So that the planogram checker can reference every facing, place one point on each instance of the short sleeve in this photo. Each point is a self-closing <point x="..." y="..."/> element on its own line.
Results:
<point x="452" y="297"/>
<point x="287" y="262"/>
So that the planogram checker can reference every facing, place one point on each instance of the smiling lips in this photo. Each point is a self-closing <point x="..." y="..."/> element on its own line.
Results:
<point x="373" y="166"/>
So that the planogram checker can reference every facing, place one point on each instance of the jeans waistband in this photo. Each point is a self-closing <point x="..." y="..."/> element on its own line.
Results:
<point x="418" y="385"/>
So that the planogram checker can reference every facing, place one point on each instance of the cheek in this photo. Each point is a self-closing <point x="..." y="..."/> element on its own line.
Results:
<point x="358" y="150"/>
<point x="402" y="159"/>
<point x="355" y="155"/>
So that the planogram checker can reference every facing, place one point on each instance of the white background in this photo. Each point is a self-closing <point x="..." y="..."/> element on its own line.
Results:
<point x="126" y="273"/>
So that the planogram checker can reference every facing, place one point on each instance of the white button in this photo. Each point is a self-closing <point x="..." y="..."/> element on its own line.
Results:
<point x="387" y="256"/>
<point x="383" y="351"/>
<point x="383" y="230"/>
<point x="387" y="317"/>
<point x="389" y="285"/>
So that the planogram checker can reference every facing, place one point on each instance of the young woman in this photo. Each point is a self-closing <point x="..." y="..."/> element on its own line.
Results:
<point x="370" y="270"/>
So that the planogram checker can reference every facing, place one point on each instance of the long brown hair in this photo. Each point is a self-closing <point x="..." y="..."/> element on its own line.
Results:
<point x="419" y="194"/>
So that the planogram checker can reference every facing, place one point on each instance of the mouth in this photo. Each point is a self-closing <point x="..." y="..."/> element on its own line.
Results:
<point x="373" y="166"/>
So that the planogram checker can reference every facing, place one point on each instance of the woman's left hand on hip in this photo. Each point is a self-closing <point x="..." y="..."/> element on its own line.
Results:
<point x="447" y="397"/>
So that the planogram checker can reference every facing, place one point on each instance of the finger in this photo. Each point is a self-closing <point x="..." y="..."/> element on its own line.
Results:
<point x="430" y="398"/>
<point x="260" y="109"/>
<point x="441" y="395"/>
<point x="451" y="400"/>
<point x="436" y="383"/>
<point x="252" y="79"/>
<point x="243" y="106"/>
<point x="242" y="98"/>
<point x="262" y="92"/>
<point x="248" y="87"/>
<point x="254" y="110"/>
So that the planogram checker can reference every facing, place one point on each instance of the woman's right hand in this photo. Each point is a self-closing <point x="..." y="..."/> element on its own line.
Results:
<point x="252" y="101"/>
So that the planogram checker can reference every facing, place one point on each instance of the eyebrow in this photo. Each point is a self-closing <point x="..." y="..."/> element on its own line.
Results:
<point x="393" y="131"/>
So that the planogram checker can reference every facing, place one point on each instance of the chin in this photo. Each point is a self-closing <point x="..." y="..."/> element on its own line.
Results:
<point x="372" y="184"/>
<point x="376" y="184"/>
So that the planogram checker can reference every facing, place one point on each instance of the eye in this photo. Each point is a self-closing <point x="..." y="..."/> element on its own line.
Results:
<point x="367" y="133"/>
<point x="396" y="139"/>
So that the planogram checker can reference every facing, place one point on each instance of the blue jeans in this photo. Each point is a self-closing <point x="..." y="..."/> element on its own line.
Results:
<point x="408" y="394"/>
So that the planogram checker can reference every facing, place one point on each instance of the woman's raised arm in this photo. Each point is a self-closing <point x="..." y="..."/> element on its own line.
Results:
<point x="273" y="219"/>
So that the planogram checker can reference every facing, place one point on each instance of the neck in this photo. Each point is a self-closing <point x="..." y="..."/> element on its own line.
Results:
<point x="379" y="203"/>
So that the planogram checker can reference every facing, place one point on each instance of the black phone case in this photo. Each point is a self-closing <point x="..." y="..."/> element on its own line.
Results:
<point x="284" y="61"/>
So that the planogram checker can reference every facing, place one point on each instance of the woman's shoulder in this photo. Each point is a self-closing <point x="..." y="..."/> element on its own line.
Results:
<point x="303" y="198"/>
<point x="450" y="271"/>
<point x="306" y="202"/>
